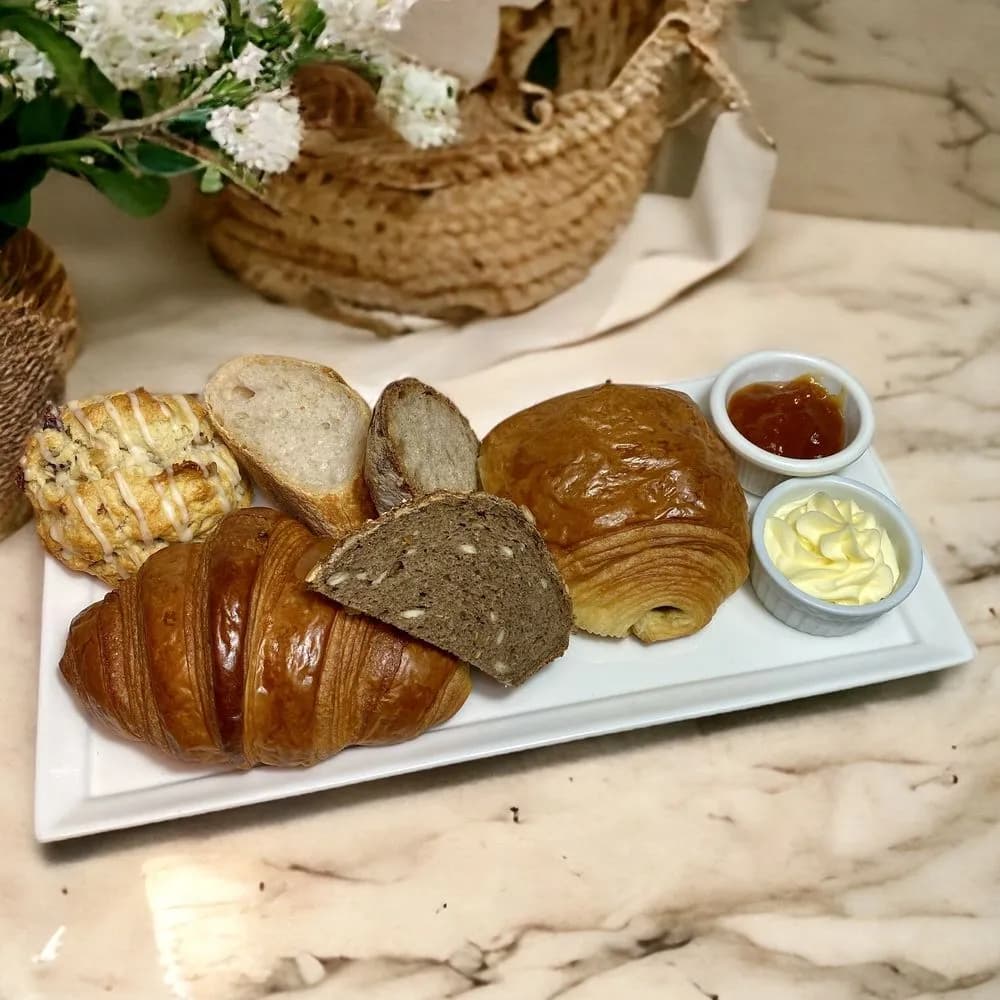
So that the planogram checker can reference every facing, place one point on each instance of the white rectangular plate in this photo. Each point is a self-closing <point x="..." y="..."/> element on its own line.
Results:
<point x="86" y="781"/>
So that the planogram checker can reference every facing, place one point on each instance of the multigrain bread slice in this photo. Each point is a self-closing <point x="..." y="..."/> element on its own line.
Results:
<point x="300" y="430"/>
<point x="466" y="573"/>
<point x="419" y="443"/>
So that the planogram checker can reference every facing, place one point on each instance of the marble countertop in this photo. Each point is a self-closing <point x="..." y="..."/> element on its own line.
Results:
<point x="839" y="848"/>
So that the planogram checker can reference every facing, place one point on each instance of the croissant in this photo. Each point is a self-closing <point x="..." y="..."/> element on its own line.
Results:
<point x="637" y="499"/>
<point x="215" y="652"/>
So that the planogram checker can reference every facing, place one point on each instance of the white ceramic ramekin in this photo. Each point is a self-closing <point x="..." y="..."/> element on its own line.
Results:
<point x="759" y="470"/>
<point x="810" y="614"/>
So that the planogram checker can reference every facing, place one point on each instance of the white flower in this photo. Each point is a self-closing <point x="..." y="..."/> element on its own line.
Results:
<point x="420" y="104"/>
<point x="136" y="40"/>
<point x="248" y="64"/>
<point x="28" y="65"/>
<point x="265" y="135"/>
<point x="358" y="24"/>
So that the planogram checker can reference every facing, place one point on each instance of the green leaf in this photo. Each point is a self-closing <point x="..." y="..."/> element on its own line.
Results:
<point x="103" y="92"/>
<point x="21" y="176"/>
<point x="16" y="213"/>
<point x="309" y="19"/>
<point x="137" y="195"/>
<point x="79" y="79"/>
<point x="162" y="161"/>
<point x="211" y="181"/>
<point x="42" y="120"/>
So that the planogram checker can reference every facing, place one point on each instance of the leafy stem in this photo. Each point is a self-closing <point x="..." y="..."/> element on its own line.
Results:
<point x="136" y="126"/>
<point x="81" y="145"/>
<point x="206" y="157"/>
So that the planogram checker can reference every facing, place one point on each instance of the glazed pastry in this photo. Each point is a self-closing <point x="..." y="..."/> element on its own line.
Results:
<point x="115" y="478"/>
<point x="638" y="500"/>
<point x="217" y="653"/>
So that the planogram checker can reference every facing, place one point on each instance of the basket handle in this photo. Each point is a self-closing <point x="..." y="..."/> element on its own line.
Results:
<point x="679" y="32"/>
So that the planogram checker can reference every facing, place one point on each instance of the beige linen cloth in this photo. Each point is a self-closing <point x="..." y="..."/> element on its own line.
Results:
<point x="156" y="311"/>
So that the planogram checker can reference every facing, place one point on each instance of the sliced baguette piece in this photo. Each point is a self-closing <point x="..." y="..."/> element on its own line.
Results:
<point x="419" y="443"/>
<point x="300" y="431"/>
<point x="466" y="573"/>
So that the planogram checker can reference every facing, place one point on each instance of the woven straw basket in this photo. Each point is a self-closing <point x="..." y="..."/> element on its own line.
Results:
<point x="38" y="342"/>
<point x="367" y="230"/>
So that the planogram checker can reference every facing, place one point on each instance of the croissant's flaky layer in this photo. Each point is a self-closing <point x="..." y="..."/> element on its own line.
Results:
<point x="655" y="581"/>
<point x="216" y="652"/>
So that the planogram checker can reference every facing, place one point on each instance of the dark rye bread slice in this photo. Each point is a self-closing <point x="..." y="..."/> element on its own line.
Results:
<point x="466" y="573"/>
<point x="419" y="442"/>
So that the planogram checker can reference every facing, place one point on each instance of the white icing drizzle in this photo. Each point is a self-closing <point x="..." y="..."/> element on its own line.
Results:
<point x="168" y="508"/>
<point x="116" y="418"/>
<point x="215" y="479"/>
<point x="123" y="488"/>
<point x="133" y="505"/>
<point x="223" y="471"/>
<point x="184" y="532"/>
<point x="182" y="523"/>
<point x="185" y="407"/>
<point x="165" y="408"/>
<point x="141" y="421"/>
<point x="92" y="525"/>
<point x="58" y="536"/>
<point x="226" y="461"/>
<point x="82" y="418"/>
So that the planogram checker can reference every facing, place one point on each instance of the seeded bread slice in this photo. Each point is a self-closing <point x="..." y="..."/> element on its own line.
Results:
<point x="419" y="443"/>
<point x="466" y="573"/>
<point x="300" y="430"/>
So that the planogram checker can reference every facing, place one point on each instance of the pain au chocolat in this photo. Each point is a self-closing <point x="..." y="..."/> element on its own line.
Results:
<point x="637" y="499"/>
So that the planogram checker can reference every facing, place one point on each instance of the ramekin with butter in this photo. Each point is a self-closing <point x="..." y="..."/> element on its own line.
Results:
<point x="830" y="555"/>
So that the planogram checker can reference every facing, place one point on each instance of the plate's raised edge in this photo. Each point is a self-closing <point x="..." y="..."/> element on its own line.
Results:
<point x="636" y="710"/>
<point x="959" y="644"/>
<point x="60" y="756"/>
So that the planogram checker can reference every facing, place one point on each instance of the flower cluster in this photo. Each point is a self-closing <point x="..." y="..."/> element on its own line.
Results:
<point x="153" y="88"/>
<point x="265" y="135"/>
<point x="23" y="65"/>
<point x="361" y="24"/>
<point x="131" y="41"/>
<point x="419" y="103"/>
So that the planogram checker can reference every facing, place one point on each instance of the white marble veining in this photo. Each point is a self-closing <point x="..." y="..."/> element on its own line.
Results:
<point x="881" y="110"/>
<point x="836" y="849"/>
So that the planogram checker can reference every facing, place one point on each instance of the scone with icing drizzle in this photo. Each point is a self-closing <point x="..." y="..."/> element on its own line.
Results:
<point x="115" y="478"/>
